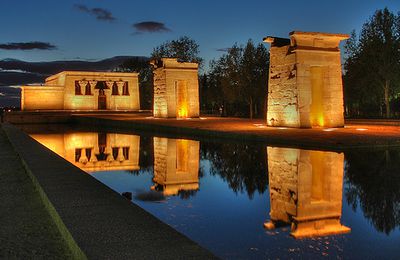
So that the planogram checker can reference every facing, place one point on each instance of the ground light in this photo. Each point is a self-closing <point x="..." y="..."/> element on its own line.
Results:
<point x="329" y="129"/>
<point x="260" y="125"/>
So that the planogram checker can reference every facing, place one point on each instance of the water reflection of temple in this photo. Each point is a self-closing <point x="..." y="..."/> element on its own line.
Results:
<point x="176" y="165"/>
<point x="95" y="151"/>
<point x="306" y="191"/>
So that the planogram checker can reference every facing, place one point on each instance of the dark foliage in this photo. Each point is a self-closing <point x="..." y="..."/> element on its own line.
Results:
<point x="237" y="82"/>
<point x="373" y="183"/>
<point x="372" y="69"/>
<point x="184" y="49"/>
<point x="242" y="166"/>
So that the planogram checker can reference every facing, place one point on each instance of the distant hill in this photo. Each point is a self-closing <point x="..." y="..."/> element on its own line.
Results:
<point x="53" y="67"/>
<point x="16" y="72"/>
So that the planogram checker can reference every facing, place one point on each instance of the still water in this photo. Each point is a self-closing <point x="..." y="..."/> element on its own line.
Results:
<point x="246" y="200"/>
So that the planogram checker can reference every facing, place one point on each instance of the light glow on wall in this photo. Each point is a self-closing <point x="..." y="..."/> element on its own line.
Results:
<point x="182" y="155"/>
<point x="182" y="112"/>
<point x="316" y="107"/>
<point x="181" y="98"/>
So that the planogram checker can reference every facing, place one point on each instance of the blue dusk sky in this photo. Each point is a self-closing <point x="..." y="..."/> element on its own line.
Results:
<point x="98" y="29"/>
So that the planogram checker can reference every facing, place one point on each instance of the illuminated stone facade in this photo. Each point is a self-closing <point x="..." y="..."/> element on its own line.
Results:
<point x="94" y="152"/>
<point x="176" y="89"/>
<point x="305" y="80"/>
<point x="81" y="90"/>
<point x="306" y="191"/>
<point x="176" y="165"/>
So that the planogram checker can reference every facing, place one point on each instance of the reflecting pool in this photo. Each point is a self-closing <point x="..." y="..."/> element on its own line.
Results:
<point x="247" y="200"/>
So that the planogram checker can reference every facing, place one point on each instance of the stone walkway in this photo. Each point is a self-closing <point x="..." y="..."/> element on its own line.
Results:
<point x="27" y="229"/>
<point x="103" y="224"/>
<point x="351" y="136"/>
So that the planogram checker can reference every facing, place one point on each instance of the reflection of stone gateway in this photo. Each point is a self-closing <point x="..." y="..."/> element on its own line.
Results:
<point x="95" y="152"/>
<point x="81" y="90"/>
<point x="306" y="191"/>
<point x="305" y="80"/>
<point x="176" y="88"/>
<point x="176" y="165"/>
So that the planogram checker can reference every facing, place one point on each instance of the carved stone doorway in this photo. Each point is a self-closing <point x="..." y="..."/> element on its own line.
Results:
<point x="102" y="100"/>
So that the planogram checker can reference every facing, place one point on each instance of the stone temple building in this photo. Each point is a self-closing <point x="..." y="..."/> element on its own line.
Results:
<point x="176" y="165"/>
<point x="305" y="80"/>
<point x="176" y="89"/>
<point x="82" y="90"/>
<point x="94" y="152"/>
<point x="306" y="191"/>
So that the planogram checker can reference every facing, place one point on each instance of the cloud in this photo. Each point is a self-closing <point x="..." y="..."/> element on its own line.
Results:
<point x="14" y="70"/>
<point x="99" y="13"/>
<point x="223" y="49"/>
<point x="150" y="27"/>
<point x="27" y="46"/>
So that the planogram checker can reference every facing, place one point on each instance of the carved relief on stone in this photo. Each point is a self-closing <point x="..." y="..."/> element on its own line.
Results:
<point x="109" y="84"/>
<point x="120" y="85"/>
<point x="82" y="83"/>
<point x="93" y="83"/>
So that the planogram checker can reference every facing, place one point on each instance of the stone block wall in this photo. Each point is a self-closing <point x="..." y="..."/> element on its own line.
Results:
<point x="282" y="91"/>
<point x="160" y="94"/>
<point x="282" y="174"/>
<point x="42" y="98"/>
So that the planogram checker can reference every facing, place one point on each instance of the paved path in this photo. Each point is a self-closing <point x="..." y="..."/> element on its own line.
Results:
<point x="351" y="136"/>
<point x="27" y="229"/>
<point x="104" y="224"/>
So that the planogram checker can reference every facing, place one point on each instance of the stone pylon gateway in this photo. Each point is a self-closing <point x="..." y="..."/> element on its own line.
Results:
<point x="306" y="189"/>
<point x="176" y="89"/>
<point x="176" y="165"/>
<point x="305" y="80"/>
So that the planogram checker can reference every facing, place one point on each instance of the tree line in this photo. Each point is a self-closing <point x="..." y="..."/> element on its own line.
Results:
<point x="236" y="84"/>
<point x="372" y="68"/>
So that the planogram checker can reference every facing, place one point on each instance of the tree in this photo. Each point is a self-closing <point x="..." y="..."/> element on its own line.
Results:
<point x="373" y="63"/>
<point x="184" y="49"/>
<point x="241" y="75"/>
<point x="372" y="182"/>
<point x="254" y="76"/>
<point x="242" y="166"/>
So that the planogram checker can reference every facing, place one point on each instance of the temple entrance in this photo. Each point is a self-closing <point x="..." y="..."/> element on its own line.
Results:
<point x="102" y="100"/>
<point x="316" y="107"/>
<point x="102" y="141"/>
<point x="181" y="99"/>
